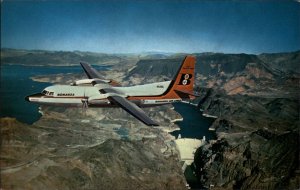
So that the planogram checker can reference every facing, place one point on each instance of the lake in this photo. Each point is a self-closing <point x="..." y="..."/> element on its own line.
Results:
<point x="194" y="125"/>
<point x="16" y="84"/>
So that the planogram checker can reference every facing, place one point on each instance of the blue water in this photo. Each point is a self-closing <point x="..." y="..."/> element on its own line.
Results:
<point x="16" y="84"/>
<point x="194" y="125"/>
<point x="123" y="132"/>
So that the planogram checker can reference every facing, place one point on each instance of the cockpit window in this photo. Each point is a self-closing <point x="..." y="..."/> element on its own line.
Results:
<point x="47" y="93"/>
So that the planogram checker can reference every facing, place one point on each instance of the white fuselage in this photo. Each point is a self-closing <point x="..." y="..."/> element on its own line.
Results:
<point x="67" y="95"/>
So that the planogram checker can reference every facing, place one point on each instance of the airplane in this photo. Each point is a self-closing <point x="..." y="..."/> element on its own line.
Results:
<point x="99" y="92"/>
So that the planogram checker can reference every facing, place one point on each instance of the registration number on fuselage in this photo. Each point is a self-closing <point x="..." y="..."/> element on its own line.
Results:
<point x="163" y="101"/>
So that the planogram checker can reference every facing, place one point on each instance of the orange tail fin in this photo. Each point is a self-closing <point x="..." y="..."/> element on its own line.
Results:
<point x="183" y="82"/>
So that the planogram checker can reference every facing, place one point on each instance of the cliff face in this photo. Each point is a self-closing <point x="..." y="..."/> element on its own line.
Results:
<point x="257" y="129"/>
<point x="253" y="161"/>
<point x="282" y="63"/>
<point x="257" y="145"/>
<point x="218" y="68"/>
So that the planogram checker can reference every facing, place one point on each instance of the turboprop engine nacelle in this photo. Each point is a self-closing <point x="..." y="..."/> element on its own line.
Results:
<point x="89" y="81"/>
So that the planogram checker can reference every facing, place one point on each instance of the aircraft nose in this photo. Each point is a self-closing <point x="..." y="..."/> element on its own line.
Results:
<point x="27" y="98"/>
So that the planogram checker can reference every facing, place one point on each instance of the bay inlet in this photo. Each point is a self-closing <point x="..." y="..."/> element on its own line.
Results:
<point x="194" y="125"/>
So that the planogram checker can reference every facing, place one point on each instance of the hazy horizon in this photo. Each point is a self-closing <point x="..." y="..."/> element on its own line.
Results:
<point x="148" y="52"/>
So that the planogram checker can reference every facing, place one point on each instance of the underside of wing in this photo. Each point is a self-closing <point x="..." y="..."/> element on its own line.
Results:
<point x="133" y="109"/>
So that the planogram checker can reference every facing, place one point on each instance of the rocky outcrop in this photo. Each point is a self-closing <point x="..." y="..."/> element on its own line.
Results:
<point x="257" y="160"/>
<point x="282" y="63"/>
<point x="69" y="149"/>
<point x="129" y="165"/>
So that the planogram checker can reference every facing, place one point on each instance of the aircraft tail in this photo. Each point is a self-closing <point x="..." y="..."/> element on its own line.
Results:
<point x="183" y="82"/>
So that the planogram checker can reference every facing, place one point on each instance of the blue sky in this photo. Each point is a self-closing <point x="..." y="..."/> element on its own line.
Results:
<point x="138" y="26"/>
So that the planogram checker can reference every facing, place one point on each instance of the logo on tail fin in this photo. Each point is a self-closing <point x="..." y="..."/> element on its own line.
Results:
<point x="185" y="79"/>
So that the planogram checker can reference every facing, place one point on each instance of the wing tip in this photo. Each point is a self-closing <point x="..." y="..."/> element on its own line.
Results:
<point x="152" y="124"/>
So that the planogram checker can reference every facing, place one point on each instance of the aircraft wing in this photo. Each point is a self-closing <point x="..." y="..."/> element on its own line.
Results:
<point x="90" y="71"/>
<point x="133" y="109"/>
<point x="93" y="74"/>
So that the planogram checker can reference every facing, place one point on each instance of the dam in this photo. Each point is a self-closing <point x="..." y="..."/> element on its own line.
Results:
<point x="187" y="148"/>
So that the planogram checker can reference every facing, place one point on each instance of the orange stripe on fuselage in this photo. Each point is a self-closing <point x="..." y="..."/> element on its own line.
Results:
<point x="170" y="95"/>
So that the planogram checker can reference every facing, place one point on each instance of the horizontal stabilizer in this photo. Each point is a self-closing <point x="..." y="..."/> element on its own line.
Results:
<point x="185" y="92"/>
